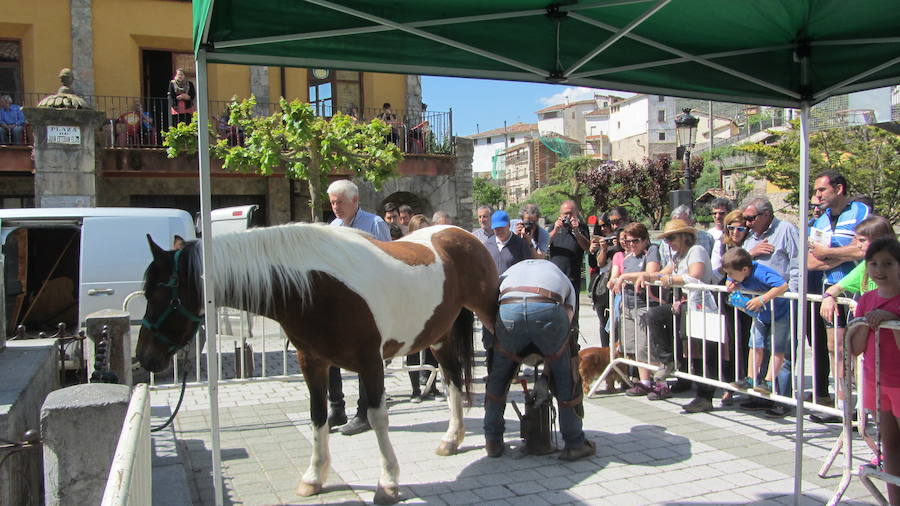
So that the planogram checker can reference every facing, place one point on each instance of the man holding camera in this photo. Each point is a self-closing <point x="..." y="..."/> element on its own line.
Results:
<point x="527" y="228"/>
<point x="569" y="240"/>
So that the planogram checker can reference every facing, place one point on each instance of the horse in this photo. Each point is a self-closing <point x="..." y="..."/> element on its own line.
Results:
<point x="342" y="298"/>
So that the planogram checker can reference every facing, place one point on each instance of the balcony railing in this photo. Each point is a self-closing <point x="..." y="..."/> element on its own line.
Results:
<point x="139" y="122"/>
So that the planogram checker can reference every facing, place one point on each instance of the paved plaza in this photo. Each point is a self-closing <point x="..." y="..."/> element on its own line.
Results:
<point x="647" y="452"/>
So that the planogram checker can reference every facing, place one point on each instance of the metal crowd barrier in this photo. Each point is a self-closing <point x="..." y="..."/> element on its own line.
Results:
<point x="711" y="328"/>
<point x="130" y="475"/>
<point x="875" y="470"/>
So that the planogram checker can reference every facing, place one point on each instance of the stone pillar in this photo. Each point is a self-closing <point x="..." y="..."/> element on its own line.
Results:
<point x="81" y="12"/>
<point x="119" y="349"/>
<point x="80" y="427"/>
<point x="413" y="94"/>
<point x="65" y="156"/>
<point x="259" y="87"/>
<point x="465" y="150"/>
<point x="29" y="370"/>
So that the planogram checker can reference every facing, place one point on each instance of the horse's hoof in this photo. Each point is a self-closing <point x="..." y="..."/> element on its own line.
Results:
<point x="308" y="489"/>
<point x="446" y="449"/>
<point x="387" y="495"/>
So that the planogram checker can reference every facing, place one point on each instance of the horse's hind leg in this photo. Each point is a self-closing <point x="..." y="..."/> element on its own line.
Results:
<point x="372" y="379"/>
<point x="315" y="371"/>
<point x="451" y="371"/>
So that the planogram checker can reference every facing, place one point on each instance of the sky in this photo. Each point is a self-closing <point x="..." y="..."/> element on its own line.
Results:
<point x="480" y="104"/>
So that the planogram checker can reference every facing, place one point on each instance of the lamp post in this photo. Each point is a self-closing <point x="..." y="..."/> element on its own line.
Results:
<point x="685" y="136"/>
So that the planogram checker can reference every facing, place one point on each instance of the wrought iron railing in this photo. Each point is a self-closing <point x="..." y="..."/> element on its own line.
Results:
<point x="139" y="122"/>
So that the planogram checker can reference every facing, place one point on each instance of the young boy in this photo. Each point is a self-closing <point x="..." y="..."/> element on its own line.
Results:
<point x="744" y="273"/>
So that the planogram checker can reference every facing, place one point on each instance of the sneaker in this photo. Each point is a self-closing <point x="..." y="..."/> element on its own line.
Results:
<point x="779" y="411"/>
<point x="356" y="426"/>
<point x="825" y="418"/>
<point x="699" y="405"/>
<point x="757" y="405"/>
<point x="588" y="449"/>
<point x="415" y="398"/>
<point x="744" y="384"/>
<point x="639" y="389"/>
<point x="659" y="391"/>
<point x="763" y="387"/>
<point x="664" y="371"/>
<point x="727" y="398"/>
<point x="824" y="400"/>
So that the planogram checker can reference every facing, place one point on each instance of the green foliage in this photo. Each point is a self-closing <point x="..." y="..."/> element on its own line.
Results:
<point x="487" y="193"/>
<point x="867" y="156"/>
<point x="566" y="185"/>
<point x="305" y="145"/>
<point x="550" y="197"/>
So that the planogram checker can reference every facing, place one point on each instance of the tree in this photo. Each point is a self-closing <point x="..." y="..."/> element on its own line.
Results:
<point x="307" y="146"/>
<point x="867" y="156"/>
<point x="564" y="181"/>
<point x="643" y="187"/>
<point x="487" y="193"/>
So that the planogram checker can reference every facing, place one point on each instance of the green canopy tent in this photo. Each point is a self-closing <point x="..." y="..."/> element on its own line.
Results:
<point x="790" y="53"/>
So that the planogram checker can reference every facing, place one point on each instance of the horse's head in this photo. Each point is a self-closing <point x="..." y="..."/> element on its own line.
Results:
<point x="173" y="306"/>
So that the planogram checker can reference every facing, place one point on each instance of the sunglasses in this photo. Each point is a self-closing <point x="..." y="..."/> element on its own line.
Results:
<point x="733" y="228"/>
<point x="631" y="241"/>
<point x="750" y="219"/>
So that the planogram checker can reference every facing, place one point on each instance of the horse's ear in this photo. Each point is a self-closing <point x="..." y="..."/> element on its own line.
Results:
<point x="178" y="243"/>
<point x="154" y="248"/>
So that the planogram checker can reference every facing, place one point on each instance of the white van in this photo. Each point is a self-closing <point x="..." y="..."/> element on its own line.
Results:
<point x="62" y="264"/>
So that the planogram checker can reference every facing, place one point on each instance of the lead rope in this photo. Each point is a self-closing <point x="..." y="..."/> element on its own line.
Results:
<point x="177" y="405"/>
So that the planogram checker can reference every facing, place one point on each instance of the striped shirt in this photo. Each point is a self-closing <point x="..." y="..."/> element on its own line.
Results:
<point x="842" y="234"/>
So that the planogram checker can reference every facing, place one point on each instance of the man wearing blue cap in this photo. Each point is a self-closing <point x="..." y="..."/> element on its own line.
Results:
<point x="507" y="249"/>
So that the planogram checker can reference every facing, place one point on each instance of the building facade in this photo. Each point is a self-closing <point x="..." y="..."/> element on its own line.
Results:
<point x="489" y="143"/>
<point x="123" y="53"/>
<point x="642" y="126"/>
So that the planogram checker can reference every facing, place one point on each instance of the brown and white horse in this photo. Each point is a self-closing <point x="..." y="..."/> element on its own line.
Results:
<point x="342" y="298"/>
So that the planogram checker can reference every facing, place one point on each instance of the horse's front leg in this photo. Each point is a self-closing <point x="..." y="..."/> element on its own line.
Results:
<point x="451" y="371"/>
<point x="372" y="379"/>
<point x="315" y="372"/>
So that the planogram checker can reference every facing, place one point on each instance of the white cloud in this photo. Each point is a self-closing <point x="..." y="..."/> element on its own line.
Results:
<point x="575" y="94"/>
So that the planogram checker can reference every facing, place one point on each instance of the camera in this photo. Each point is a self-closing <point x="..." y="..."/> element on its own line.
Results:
<point x="528" y="227"/>
<point x="567" y="223"/>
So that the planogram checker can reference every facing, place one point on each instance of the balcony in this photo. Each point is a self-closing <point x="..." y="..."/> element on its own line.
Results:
<point x="139" y="122"/>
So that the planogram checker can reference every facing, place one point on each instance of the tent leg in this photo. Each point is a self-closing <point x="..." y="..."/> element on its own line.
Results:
<point x="208" y="269"/>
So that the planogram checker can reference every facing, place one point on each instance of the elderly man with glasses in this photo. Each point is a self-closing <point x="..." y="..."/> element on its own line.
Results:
<point x="774" y="243"/>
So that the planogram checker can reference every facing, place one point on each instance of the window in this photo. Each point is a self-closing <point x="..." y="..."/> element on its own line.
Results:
<point x="618" y="124"/>
<point x="11" y="70"/>
<point x="320" y="91"/>
<point x="661" y="115"/>
<point x="512" y="139"/>
<point x="487" y="140"/>
<point x="660" y="98"/>
<point x="662" y="136"/>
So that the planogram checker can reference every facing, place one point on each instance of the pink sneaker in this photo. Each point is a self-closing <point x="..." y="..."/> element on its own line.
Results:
<point x="659" y="392"/>
<point x="639" y="389"/>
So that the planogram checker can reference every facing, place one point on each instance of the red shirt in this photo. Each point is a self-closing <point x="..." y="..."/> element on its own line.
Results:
<point x="890" y="354"/>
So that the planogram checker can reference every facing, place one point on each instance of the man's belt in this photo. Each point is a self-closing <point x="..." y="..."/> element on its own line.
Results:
<point x="544" y="294"/>
<point x="511" y="300"/>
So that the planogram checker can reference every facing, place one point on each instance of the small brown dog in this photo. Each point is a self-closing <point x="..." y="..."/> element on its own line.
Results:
<point x="591" y="364"/>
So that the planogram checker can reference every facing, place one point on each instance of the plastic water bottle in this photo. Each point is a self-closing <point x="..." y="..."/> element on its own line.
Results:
<point x="739" y="300"/>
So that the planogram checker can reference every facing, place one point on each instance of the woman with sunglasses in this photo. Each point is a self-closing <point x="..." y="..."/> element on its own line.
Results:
<point x="736" y="231"/>
<point x="690" y="264"/>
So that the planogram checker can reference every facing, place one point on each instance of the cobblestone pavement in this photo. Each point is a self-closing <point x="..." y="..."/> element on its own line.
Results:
<point x="647" y="452"/>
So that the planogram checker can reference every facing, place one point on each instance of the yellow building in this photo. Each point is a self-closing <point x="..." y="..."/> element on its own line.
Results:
<point x="130" y="48"/>
<point x="124" y="53"/>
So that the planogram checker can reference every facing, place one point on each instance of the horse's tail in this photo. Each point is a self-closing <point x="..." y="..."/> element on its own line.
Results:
<point x="461" y="340"/>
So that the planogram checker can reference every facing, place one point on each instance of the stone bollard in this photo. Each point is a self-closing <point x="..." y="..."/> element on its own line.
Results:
<point x="80" y="427"/>
<point x="119" y="349"/>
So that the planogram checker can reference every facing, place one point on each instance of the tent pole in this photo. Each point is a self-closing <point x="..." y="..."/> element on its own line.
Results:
<point x="212" y="346"/>
<point x="802" y="308"/>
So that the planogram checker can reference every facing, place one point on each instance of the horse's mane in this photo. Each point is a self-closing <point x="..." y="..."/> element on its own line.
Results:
<point x="250" y="263"/>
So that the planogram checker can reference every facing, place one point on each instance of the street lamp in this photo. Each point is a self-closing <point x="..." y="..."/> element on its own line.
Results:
<point x="685" y="137"/>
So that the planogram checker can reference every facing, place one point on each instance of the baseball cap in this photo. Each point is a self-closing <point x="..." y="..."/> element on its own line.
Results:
<point x="499" y="219"/>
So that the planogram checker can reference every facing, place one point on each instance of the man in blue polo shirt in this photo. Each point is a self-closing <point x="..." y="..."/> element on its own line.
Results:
<point x="344" y="198"/>
<point x="831" y="252"/>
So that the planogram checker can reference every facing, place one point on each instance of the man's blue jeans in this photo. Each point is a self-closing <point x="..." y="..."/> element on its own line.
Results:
<point x="546" y="325"/>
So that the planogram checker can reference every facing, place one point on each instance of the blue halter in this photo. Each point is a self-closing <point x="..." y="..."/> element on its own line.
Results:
<point x="175" y="305"/>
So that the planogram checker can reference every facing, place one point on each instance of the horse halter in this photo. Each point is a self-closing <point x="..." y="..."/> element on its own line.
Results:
<point x="175" y="305"/>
